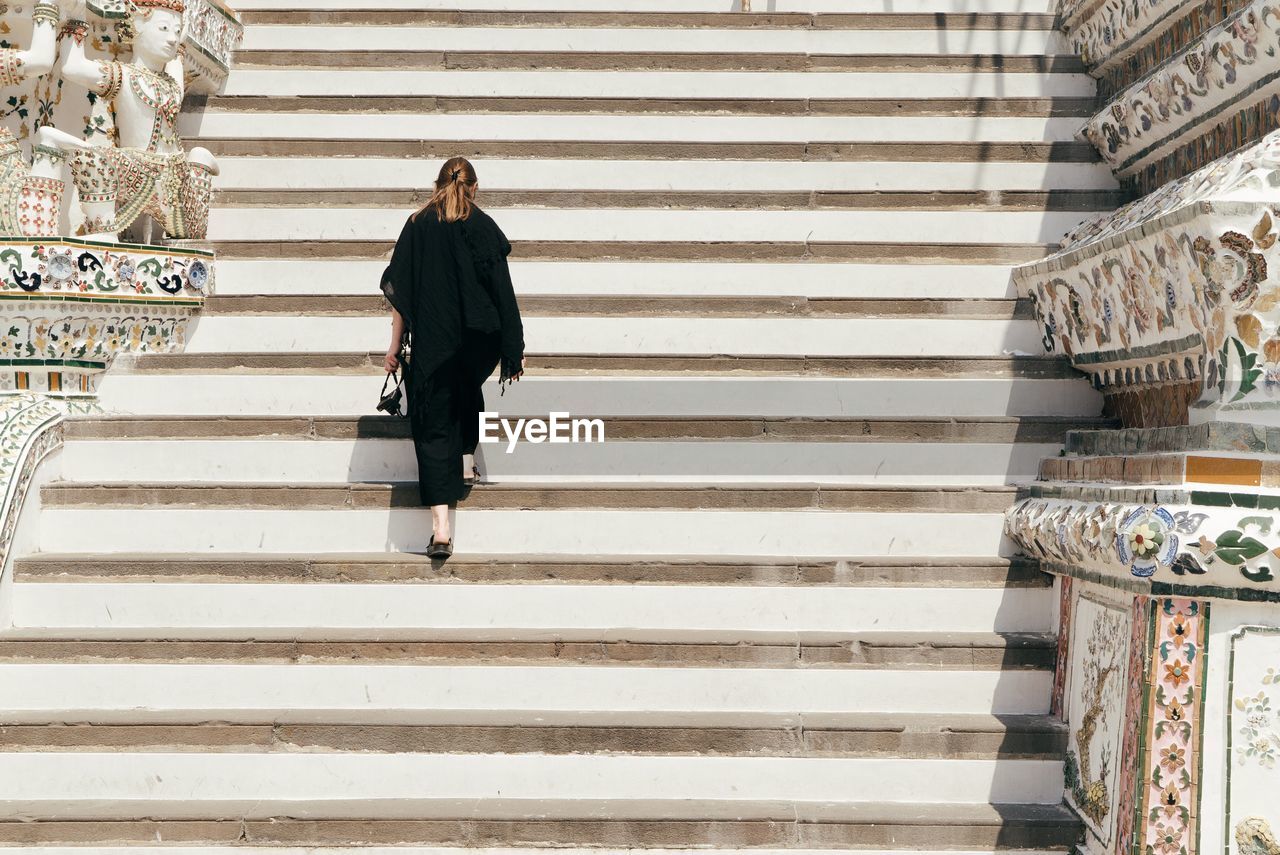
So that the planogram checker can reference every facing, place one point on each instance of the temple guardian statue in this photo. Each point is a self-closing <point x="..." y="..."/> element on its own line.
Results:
<point x="31" y="194"/>
<point x="92" y="93"/>
<point x="148" y="171"/>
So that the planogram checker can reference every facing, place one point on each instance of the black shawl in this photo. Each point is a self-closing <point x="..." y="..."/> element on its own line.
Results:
<point x="447" y="277"/>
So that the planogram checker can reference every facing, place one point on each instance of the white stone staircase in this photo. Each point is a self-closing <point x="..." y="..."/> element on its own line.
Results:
<point x="772" y="612"/>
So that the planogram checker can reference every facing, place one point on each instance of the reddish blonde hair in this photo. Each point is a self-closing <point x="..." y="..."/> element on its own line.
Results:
<point x="455" y="192"/>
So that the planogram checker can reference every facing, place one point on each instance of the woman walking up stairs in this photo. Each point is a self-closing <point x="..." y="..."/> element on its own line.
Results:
<point x="773" y="611"/>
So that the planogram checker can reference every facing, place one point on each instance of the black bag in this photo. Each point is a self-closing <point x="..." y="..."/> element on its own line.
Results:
<point x="390" y="402"/>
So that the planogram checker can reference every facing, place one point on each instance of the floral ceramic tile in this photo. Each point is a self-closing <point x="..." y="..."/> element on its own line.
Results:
<point x="1095" y="712"/>
<point x="1174" y="717"/>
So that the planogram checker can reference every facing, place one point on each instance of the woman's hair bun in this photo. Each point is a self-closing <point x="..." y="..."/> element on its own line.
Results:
<point x="454" y="191"/>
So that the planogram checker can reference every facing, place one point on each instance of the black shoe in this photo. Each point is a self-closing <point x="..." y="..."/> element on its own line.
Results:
<point x="474" y="478"/>
<point x="436" y="549"/>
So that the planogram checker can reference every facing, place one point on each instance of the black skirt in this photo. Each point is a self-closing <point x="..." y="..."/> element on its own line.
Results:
<point x="444" y="411"/>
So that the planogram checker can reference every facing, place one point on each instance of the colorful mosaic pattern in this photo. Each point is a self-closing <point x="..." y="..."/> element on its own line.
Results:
<point x="1171" y="730"/>
<point x="71" y="307"/>
<point x="1225" y="66"/>
<point x="65" y="385"/>
<point x="1163" y="37"/>
<point x="1156" y="295"/>
<point x="30" y="205"/>
<point x="37" y="333"/>
<point x="1063" y="660"/>
<point x="1130" y="745"/>
<point x="211" y="34"/>
<point x="1147" y="538"/>
<point x="1240" y="129"/>
<point x="73" y="269"/>
<point x="1175" y="289"/>
<point x="131" y="182"/>
<point x="1095" y="711"/>
<point x="1105" y="33"/>
<point x="1223" y="549"/>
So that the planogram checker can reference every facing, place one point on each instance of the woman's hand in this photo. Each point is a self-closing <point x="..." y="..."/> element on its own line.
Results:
<point x="391" y="362"/>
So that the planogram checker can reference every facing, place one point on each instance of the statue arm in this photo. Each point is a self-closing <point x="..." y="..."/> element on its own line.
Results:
<point x="39" y="59"/>
<point x="104" y="78"/>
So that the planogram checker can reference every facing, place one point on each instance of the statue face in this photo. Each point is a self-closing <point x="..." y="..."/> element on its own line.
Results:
<point x="157" y="34"/>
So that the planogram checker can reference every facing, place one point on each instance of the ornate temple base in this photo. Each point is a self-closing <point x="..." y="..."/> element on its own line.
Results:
<point x="1174" y="727"/>
<point x="71" y="306"/>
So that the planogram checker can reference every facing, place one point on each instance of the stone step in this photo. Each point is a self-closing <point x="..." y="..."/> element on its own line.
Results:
<point x="349" y="785"/>
<point x="416" y="850"/>
<point x="520" y="531"/>
<point x="618" y="280"/>
<point x="767" y="521"/>
<point x="668" y="461"/>
<point x="343" y="385"/>
<point x="655" y="9"/>
<point x="334" y="165"/>
<point x="671" y="21"/>
<point x="557" y="496"/>
<point x="924" y="651"/>
<point x="661" y="225"/>
<point x="827" y="152"/>
<point x="1063" y="107"/>
<point x="879" y="572"/>
<point x="658" y="84"/>
<point x="610" y="337"/>
<point x="658" y="251"/>
<point x="612" y="60"/>
<point x="402" y="199"/>
<point x="701" y="369"/>
<point x="918" y="736"/>
<point x="506" y="695"/>
<point x="883" y="829"/>
<point x="1029" y="429"/>
<point x="958" y="619"/>
<point x="617" y="306"/>
<point x="622" y="128"/>
<point x="629" y="34"/>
